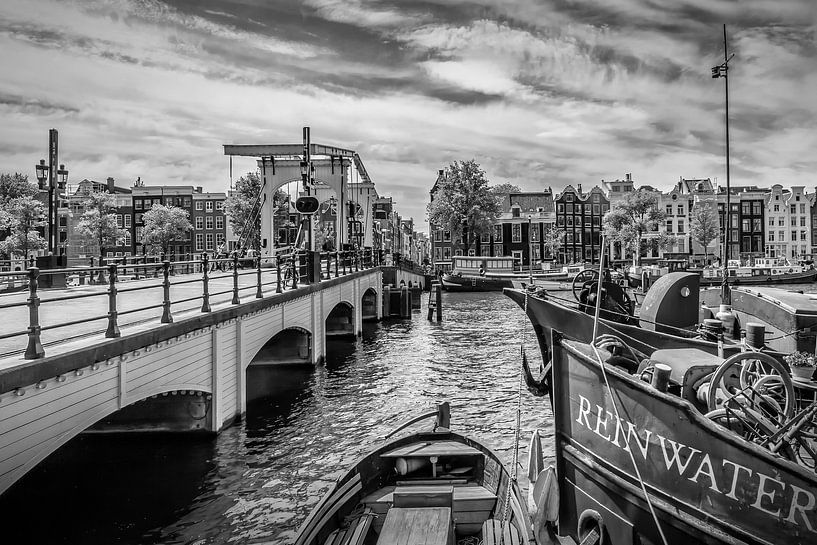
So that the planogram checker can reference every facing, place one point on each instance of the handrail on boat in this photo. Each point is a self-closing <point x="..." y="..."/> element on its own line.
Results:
<point x="442" y="412"/>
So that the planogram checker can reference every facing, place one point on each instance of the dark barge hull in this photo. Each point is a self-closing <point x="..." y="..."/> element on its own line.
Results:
<point x="474" y="283"/>
<point x="804" y="277"/>
<point x="705" y="484"/>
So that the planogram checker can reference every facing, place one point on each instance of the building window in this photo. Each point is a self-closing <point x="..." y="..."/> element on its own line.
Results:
<point x="669" y="209"/>
<point x="596" y="197"/>
<point x="793" y="221"/>
<point x="187" y="202"/>
<point x="498" y="251"/>
<point x="777" y="208"/>
<point x="802" y="207"/>
<point x="498" y="233"/>
<point x="199" y="205"/>
<point x="680" y="209"/>
<point x="560" y="221"/>
<point x="127" y="220"/>
<point x="587" y="209"/>
<point x="782" y="235"/>
<point x="802" y="235"/>
<point x="485" y="249"/>
<point x="560" y="208"/>
<point x="219" y="205"/>
<point x="208" y="222"/>
<point x="438" y="235"/>
<point x="534" y="232"/>
<point x="771" y="221"/>
<point x="757" y="225"/>
<point x="128" y="239"/>
<point x="793" y="209"/>
<point x="137" y="204"/>
<point x="669" y="226"/>
<point x="569" y="209"/>
<point x="537" y="253"/>
<point x="756" y="210"/>
<point x="793" y="236"/>
<point x="682" y="246"/>
<point x="219" y="222"/>
<point x="199" y="222"/>
<point x="802" y="221"/>
<point x="219" y="239"/>
<point x="199" y="242"/>
<point x="744" y="225"/>
<point x="209" y="206"/>
<point x="596" y="208"/>
<point x="209" y="240"/>
<point x="458" y="252"/>
<point x="680" y="226"/>
<point x="771" y="236"/>
<point x="119" y="220"/>
<point x="569" y="197"/>
<point x="446" y="236"/>
<point x="438" y="254"/>
<point x="516" y="233"/>
<point x="781" y="221"/>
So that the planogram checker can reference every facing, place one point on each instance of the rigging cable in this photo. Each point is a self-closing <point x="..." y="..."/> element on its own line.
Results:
<point x="610" y="390"/>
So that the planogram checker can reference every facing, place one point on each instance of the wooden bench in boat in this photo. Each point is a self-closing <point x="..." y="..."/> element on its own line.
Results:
<point x="496" y="533"/>
<point x="432" y="448"/>
<point x="471" y="503"/>
<point x="355" y="533"/>
<point x="417" y="526"/>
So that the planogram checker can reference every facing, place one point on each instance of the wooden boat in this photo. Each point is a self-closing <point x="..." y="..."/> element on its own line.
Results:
<point x="635" y="464"/>
<point x="764" y="271"/>
<point x="671" y="315"/>
<point x="497" y="273"/>
<point x="431" y="488"/>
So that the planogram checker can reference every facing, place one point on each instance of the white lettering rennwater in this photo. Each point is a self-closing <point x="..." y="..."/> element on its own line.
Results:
<point x="765" y="493"/>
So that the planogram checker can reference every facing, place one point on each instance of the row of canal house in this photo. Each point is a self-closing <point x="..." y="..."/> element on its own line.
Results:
<point x="762" y="222"/>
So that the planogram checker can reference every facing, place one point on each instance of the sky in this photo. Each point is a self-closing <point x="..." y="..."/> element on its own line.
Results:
<point x="541" y="93"/>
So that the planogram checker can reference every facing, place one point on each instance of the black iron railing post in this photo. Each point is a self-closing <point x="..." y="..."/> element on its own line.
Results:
<point x="113" y="327"/>
<point x="205" y="284"/>
<point x="278" y="274"/>
<point x="236" y="300"/>
<point x="295" y="271"/>
<point x="328" y="265"/>
<point x="258" y="293"/>
<point x="357" y="260"/>
<point x="337" y="265"/>
<point x="167" y="317"/>
<point x="345" y="257"/>
<point x="34" y="350"/>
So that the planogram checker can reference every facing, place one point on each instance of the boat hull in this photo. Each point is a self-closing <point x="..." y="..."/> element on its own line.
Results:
<point x="705" y="484"/>
<point x="453" y="282"/>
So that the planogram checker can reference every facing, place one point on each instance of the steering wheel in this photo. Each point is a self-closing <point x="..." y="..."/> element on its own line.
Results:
<point x="581" y="279"/>
<point x="760" y="384"/>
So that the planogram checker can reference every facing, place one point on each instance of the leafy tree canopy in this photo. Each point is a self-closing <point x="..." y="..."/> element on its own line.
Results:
<point x="501" y="189"/>
<point x="15" y="185"/>
<point x="553" y="239"/>
<point x="20" y="217"/>
<point x="98" y="222"/>
<point x="633" y="217"/>
<point x="164" y="225"/>
<point x="464" y="201"/>
<point x="704" y="224"/>
<point x="239" y="209"/>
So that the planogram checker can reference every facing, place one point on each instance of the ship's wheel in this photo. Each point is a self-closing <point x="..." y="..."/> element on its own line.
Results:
<point x="752" y="394"/>
<point x="581" y="280"/>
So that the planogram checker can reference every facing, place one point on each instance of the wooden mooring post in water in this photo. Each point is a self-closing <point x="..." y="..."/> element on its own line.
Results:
<point x="435" y="301"/>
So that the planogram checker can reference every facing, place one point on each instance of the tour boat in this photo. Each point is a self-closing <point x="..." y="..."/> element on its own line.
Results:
<point x="763" y="271"/>
<point x="676" y="460"/>
<point x="475" y="273"/>
<point x="434" y="487"/>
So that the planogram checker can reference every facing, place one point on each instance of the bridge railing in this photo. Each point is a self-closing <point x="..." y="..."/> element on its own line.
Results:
<point x="159" y="293"/>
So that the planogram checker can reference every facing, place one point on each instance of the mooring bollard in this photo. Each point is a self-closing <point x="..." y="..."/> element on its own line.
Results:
<point x="660" y="377"/>
<point x="439" y="298"/>
<point x="258" y="293"/>
<point x="386" y="301"/>
<point x="34" y="350"/>
<point x="405" y="302"/>
<point x="113" y="327"/>
<point x="167" y="317"/>
<point x="236" y="300"/>
<point x="205" y="284"/>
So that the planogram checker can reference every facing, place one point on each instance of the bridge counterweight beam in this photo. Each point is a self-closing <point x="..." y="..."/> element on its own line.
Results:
<point x="113" y="327"/>
<point x="34" y="350"/>
<point x="167" y="317"/>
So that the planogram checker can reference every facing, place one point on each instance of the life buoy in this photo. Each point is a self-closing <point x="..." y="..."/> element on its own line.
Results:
<point x="790" y="271"/>
<point x="482" y="271"/>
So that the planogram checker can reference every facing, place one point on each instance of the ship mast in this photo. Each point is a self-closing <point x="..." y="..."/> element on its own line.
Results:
<point x="721" y="71"/>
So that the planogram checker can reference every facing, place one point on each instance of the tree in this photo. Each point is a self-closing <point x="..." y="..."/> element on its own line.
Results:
<point x="704" y="224"/>
<point x="98" y="222"/>
<point x="504" y="188"/>
<point x="464" y="203"/>
<point x="241" y="205"/>
<point x="630" y="219"/>
<point x="164" y="225"/>
<point x="13" y="186"/>
<point x="20" y="219"/>
<point x="553" y="240"/>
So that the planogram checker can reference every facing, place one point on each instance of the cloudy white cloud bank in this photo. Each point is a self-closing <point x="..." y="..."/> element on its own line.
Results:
<point x="540" y="93"/>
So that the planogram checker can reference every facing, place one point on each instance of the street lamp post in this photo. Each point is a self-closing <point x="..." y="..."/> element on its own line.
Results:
<point x="56" y="178"/>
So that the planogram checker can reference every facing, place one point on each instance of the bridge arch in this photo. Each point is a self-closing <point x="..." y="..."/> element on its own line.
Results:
<point x="340" y="322"/>
<point x="292" y="345"/>
<point x="368" y="305"/>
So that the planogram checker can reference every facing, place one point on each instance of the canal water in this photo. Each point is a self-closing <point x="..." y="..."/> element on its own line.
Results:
<point x="256" y="481"/>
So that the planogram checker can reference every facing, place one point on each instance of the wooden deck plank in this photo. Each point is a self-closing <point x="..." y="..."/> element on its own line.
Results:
<point x="432" y="448"/>
<point x="416" y="526"/>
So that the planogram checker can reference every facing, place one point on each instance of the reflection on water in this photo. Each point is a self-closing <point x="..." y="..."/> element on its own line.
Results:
<point x="257" y="481"/>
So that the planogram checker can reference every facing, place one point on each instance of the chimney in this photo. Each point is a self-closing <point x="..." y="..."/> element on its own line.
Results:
<point x="198" y="189"/>
<point x="579" y="188"/>
<point x="629" y="176"/>
<point x="110" y="185"/>
<point x="440" y="172"/>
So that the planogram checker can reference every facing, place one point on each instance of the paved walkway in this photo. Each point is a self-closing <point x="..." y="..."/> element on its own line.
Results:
<point x="185" y="295"/>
